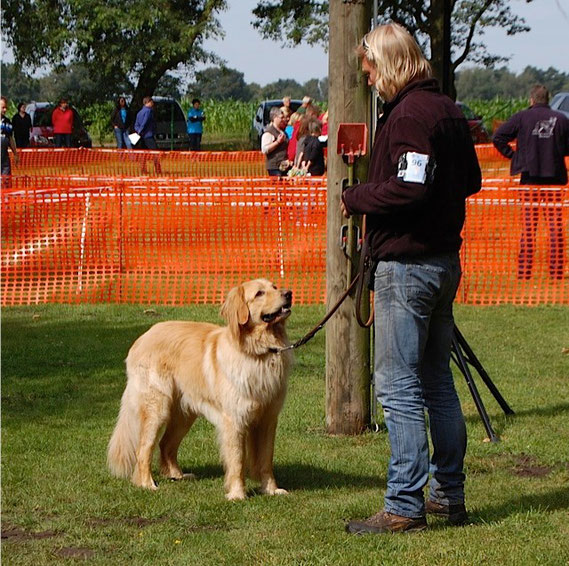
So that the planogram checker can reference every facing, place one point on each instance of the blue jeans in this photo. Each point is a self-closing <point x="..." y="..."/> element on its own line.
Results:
<point x="123" y="141"/>
<point x="413" y="331"/>
<point x="62" y="140"/>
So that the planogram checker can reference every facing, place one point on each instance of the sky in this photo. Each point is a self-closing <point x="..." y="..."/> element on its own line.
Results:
<point x="263" y="61"/>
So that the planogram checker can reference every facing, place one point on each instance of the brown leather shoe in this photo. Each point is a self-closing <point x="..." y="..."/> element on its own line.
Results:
<point x="455" y="514"/>
<point x="385" y="522"/>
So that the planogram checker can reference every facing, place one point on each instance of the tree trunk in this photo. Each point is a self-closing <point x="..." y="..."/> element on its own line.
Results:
<point x="347" y="345"/>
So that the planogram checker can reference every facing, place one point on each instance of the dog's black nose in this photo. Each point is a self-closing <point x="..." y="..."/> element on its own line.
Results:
<point x="287" y="295"/>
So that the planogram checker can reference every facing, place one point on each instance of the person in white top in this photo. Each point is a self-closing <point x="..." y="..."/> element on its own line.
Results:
<point x="274" y="144"/>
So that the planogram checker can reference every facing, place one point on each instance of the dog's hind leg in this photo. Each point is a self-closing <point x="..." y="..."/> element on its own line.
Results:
<point x="153" y="416"/>
<point x="176" y="429"/>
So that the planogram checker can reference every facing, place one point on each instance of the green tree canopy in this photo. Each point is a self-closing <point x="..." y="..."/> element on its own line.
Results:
<point x="220" y="84"/>
<point x="294" y="21"/>
<point x="121" y="42"/>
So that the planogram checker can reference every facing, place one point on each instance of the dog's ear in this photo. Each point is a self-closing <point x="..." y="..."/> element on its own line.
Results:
<point x="234" y="310"/>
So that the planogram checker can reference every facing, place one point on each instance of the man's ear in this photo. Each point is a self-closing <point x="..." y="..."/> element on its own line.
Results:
<point x="235" y="311"/>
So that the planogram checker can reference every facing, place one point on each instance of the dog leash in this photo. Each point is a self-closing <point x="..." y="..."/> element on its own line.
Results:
<point x="359" y="280"/>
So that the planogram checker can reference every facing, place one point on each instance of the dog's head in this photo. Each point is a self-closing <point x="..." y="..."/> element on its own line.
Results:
<point x="256" y="303"/>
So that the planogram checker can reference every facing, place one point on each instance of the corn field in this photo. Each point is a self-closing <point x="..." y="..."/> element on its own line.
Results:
<point x="230" y="120"/>
<point x="497" y="110"/>
<point x="224" y="116"/>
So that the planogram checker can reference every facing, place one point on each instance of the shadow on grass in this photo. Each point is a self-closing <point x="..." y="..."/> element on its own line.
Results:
<point x="554" y="500"/>
<point x="300" y="477"/>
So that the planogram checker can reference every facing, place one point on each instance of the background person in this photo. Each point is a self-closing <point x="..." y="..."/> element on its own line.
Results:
<point x="422" y="168"/>
<point x="7" y="141"/>
<point x="145" y="126"/>
<point x="62" y="120"/>
<point x="313" y="153"/>
<point x="121" y="121"/>
<point x="542" y="142"/>
<point x="22" y="124"/>
<point x="274" y="144"/>
<point x="196" y="118"/>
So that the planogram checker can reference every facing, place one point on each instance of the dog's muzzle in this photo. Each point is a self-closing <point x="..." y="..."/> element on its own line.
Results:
<point x="282" y="313"/>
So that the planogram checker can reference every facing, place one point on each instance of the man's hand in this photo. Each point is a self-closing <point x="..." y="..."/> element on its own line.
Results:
<point x="344" y="209"/>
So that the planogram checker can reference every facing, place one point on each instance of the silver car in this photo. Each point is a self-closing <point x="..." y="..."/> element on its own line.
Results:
<point x="560" y="102"/>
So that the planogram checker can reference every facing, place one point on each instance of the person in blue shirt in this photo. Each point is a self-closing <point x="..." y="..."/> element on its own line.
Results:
<point x="196" y="119"/>
<point x="145" y="126"/>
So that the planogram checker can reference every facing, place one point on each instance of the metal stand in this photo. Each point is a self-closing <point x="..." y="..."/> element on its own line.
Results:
<point x="464" y="357"/>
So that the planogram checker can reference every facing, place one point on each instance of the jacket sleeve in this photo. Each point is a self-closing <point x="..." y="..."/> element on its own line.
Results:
<point x="505" y="134"/>
<point x="141" y="125"/>
<point x="394" y="194"/>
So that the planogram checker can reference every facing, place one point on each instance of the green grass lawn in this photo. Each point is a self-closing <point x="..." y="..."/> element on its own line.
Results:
<point x="62" y="379"/>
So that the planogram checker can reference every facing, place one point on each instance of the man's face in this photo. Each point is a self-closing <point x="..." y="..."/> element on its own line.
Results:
<point x="370" y="71"/>
<point x="3" y="107"/>
<point x="63" y="105"/>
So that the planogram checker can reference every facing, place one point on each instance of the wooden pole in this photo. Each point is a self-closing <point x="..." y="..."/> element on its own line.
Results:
<point x="347" y="345"/>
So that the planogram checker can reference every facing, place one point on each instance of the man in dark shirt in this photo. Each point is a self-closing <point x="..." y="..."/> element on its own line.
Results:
<point x="7" y="143"/>
<point x="542" y="142"/>
<point x="422" y="168"/>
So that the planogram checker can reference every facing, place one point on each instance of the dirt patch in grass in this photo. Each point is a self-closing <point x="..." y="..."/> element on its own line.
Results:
<point x="76" y="552"/>
<point x="527" y="466"/>
<point x="13" y="533"/>
<point x="138" y="522"/>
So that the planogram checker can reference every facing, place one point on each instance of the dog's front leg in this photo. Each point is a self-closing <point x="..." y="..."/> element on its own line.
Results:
<point x="232" y="443"/>
<point x="263" y="439"/>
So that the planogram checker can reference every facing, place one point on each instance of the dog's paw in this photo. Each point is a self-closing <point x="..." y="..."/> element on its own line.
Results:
<point x="275" y="491"/>
<point x="184" y="477"/>
<point x="236" y="495"/>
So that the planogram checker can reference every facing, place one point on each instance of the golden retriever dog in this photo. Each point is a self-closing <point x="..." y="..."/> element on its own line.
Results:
<point x="234" y="376"/>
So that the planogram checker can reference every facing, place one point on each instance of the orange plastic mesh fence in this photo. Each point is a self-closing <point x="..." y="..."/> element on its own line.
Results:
<point x="179" y="241"/>
<point x="93" y="236"/>
<point x="201" y="164"/>
<point x="171" y="241"/>
<point x="135" y="162"/>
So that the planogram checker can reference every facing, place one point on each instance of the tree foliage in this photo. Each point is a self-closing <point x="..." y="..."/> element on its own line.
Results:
<point x="220" y="84"/>
<point x="295" y="21"/>
<point x="487" y="84"/>
<point x="123" y="42"/>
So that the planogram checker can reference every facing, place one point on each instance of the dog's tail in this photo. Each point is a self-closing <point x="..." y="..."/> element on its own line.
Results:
<point x="121" y="453"/>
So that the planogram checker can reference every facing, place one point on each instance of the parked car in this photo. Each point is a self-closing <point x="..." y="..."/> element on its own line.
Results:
<point x="560" y="102"/>
<point x="41" y="134"/>
<point x="261" y="118"/>
<point x="171" y="127"/>
<point x="475" y="123"/>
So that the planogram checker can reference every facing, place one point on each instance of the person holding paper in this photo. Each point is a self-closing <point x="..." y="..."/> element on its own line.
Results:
<point x="145" y="126"/>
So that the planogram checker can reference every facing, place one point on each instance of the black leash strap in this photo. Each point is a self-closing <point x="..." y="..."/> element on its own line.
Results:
<point x="360" y="280"/>
<point x="321" y="324"/>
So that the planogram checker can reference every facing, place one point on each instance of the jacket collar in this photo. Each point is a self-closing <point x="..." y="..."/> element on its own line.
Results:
<point x="430" y="85"/>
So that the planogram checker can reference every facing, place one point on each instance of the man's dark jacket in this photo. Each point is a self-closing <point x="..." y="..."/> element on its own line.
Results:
<point x="542" y="142"/>
<point x="409" y="219"/>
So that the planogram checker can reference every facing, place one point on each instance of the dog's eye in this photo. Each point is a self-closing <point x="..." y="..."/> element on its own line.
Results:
<point x="260" y="293"/>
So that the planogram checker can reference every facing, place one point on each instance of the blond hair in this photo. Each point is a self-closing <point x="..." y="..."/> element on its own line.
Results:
<point x="393" y="51"/>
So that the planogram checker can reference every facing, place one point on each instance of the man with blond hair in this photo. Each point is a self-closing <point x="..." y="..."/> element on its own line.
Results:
<point x="422" y="168"/>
